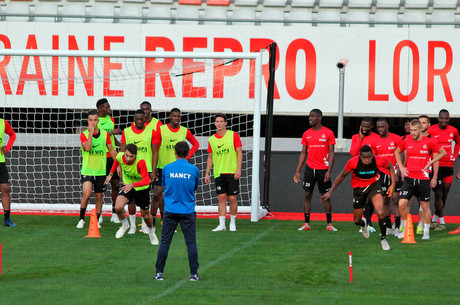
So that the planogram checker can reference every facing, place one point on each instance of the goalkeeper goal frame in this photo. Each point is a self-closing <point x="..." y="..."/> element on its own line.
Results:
<point x="255" y="209"/>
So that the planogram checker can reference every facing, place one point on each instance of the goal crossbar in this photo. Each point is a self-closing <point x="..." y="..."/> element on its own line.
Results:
<point x="255" y="209"/>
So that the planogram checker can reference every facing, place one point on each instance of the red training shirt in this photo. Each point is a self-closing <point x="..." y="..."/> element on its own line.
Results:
<point x="386" y="148"/>
<point x="141" y="169"/>
<point x="236" y="141"/>
<point x="190" y="137"/>
<point x="10" y="132"/>
<point x="356" y="168"/>
<point x="83" y="138"/>
<point x="318" y="142"/>
<point x="372" y="140"/>
<point x="444" y="138"/>
<point x="418" y="156"/>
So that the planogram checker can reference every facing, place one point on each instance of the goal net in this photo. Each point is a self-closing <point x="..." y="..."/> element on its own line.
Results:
<point x="45" y="96"/>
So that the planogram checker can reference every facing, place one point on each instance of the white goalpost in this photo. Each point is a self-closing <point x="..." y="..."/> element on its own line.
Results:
<point x="45" y="95"/>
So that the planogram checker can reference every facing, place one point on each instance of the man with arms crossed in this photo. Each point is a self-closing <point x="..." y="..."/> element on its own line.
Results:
<point x="180" y="181"/>
<point x="5" y="127"/>
<point x="136" y="185"/>
<point x="95" y="143"/>
<point x="318" y="144"/>
<point x="107" y="123"/>
<point x="422" y="152"/>
<point x="146" y="141"/>
<point x="444" y="134"/>
<point x="226" y="154"/>
<point x="168" y="136"/>
<point x="366" y="187"/>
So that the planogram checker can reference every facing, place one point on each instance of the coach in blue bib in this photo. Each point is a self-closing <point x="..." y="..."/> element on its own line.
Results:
<point x="180" y="180"/>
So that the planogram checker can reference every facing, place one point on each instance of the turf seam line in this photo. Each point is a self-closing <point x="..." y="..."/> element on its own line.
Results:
<point x="216" y="261"/>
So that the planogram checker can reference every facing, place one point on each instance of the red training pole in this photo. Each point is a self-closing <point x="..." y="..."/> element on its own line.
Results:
<point x="351" y="266"/>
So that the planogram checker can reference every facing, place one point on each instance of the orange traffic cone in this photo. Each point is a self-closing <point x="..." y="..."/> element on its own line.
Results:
<point x="409" y="231"/>
<point x="93" y="227"/>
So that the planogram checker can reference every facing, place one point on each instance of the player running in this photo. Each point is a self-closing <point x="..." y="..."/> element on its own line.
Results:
<point x="444" y="134"/>
<point x="365" y="137"/>
<point x="136" y="186"/>
<point x="146" y="141"/>
<point x="107" y="123"/>
<point x="386" y="148"/>
<point x="366" y="186"/>
<point x="168" y="136"/>
<point x="226" y="154"/>
<point x="5" y="127"/>
<point x="95" y="143"/>
<point x="318" y="144"/>
<point x="422" y="152"/>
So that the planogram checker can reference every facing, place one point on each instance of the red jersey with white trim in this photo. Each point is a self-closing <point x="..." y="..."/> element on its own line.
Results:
<point x="364" y="175"/>
<point x="318" y="142"/>
<point x="372" y="140"/>
<point x="418" y="156"/>
<point x="386" y="148"/>
<point x="444" y="138"/>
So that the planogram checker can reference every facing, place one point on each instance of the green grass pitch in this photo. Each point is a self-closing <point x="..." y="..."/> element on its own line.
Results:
<point x="46" y="260"/>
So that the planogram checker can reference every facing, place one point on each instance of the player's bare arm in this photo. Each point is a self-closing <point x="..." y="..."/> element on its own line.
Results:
<point x="338" y="180"/>
<point x="328" y="175"/>
<point x="391" y="188"/>
<point x="154" y="161"/>
<point x="401" y="166"/>
<point x="239" y="154"/>
<point x="208" y="168"/>
<point x="302" y="158"/>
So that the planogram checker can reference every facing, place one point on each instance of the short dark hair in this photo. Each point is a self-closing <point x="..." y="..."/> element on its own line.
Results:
<point x="382" y="119"/>
<point x="444" y="110"/>
<point x="416" y="122"/>
<point x="424" y="116"/>
<point x="92" y="112"/>
<point x="138" y="111"/>
<point x="101" y="102"/>
<point x="408" y="120"/>
<point x="146" y="103"/>
<point x="132" y="148"/>
<point x="365" y="149"/>
<point x="182" y="149"/>
<point x="174" y="110"/>
<point x="317" y="111"/>
<point x="367" y="119"/>
<point x="220" y="115"/>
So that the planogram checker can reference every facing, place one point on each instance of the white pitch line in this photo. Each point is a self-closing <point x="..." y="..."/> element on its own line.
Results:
<point x="216" y="261"/>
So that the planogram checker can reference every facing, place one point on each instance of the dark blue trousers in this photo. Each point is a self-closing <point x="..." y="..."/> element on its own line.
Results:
<point x="188" y="226"/>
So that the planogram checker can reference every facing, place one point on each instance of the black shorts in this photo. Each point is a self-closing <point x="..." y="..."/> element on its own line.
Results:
<point x="312" y="176"/>
<point x="362" y="194"/>
<point x="445" y="175"/>
<point x="157" y="181"/>
<point x="385" y="181"/>
<point x="226" y="184"/>
<point x="109" y="167"/>
<point x="97" y="181"/>
<point x="415" y="187"/>
<point x="4" y="176"/>
<point x="142" y="197"/>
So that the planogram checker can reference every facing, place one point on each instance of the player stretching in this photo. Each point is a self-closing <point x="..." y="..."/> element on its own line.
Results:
<point x="169" y="135"/>
<point x="95" y="143"/>
<point x="146" y="141"/>
<point x="365" y="137"/>
<point x="152" y="123"/>
<point x="366" y="186"/>
<point x="136" y="185"/>
<point x="416" y="173"/>
<point x="444" y="134"/>
<point x="107" y="123"/>
<point x="5" y="127"/>
<point x="318" y="144"/>
<point x="226" y="154"/>
<point x="386" y="148"/>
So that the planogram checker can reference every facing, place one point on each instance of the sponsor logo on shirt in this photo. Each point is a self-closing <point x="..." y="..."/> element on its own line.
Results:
<point x="135" y="142"/>
<point x="94" y="146"/>
<point x="172" y="140"/>
<point x="219" y="146"/>
<point x="102" y="123"/>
